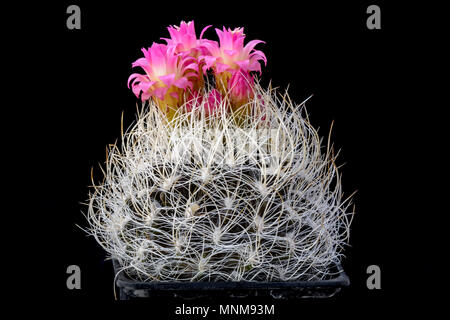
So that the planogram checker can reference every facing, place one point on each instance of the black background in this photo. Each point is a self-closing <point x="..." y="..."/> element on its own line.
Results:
<point x="360" y="78"/>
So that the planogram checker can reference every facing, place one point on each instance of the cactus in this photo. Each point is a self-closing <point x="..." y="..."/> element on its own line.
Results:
<point x="224" y="197"/>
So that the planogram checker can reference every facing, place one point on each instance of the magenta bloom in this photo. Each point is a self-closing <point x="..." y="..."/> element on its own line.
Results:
<point x="174" y="71"/>
<point x="231" y="55"/>
<point x="165" y="73"/>
<point x="232" y="63"/>
<point x="184" y="39"/>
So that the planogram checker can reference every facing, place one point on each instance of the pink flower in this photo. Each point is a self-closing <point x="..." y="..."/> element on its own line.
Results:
<point x="185" y="40"/>
<point x="167" y="76"/>
<point x="232" y="63"/>
<point x="171" y="69"/>
<point x="211" y="105"/>
<point x="231" y="54"/>
<point x="164" y="70"/>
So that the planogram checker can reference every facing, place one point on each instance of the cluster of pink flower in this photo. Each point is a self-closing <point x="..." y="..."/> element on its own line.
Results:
<point x="174" y="71"/>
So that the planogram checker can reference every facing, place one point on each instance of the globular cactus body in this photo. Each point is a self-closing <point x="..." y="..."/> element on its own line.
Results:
<point x="211" y="198"/>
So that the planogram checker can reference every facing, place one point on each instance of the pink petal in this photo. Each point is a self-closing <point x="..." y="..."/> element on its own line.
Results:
<point x="259" y="55"/>
<point x="250" y="45"/>
<point x="160" y="92"/>
<point x="183" y="83"/>
<point x="168" y="41"/>
<point x="209" y="62"/>
<point x="158" y="56"/>
<point x="221" y="35"/>
<point x="192" y="66"/>
<point x="243" y="64"/>
<point x="211" y="46"/>
<point x="145" y="96"/>
<point x="191" y="74"/>
<point x="230" y="52"/>
<point x="136" y="89"/>
<point x="141" y="62"/>
<point x="254" y="66"/>
<point x="132" y="77"/>
<point x="203" y="31"/>
<point x="145" y="52"/>
<point x="145" y="85"/>
<point x="168" y="79"/>
<point x="221" y="67"/>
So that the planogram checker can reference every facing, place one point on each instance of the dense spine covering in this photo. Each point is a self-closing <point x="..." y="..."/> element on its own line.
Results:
<point x="230" y="196"/>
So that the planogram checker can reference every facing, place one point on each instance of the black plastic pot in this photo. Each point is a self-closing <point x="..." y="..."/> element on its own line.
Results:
<point x="130" y="289"/>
